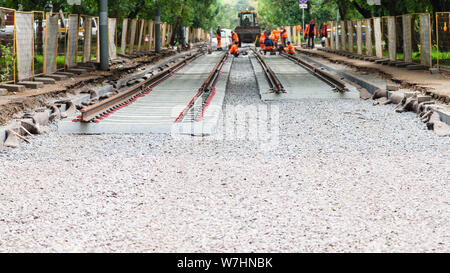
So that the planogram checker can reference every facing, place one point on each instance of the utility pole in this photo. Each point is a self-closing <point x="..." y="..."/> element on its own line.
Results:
<point x="158" y="29"/>
<point x="303" y="27"/>
<point x="103" y="18"/>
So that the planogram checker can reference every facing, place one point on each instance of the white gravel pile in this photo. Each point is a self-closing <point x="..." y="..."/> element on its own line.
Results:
<point x="346" y="176"/>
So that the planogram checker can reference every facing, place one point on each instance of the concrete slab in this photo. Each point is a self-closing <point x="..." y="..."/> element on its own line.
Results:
<point x="368" y="82"/>
<point x="13" y="87"/>
<point x="416" y="67"/>
<point x="77" y="70"/>
<point x="298" y="82"/>
<point x="45" y="80"/>
<point x="423" y="98"/>
<point x="157" y="111"/>
<point x="68" y="74"/>
<point x="33" y="85"/>
<point x="382" y="61"/>
<point x="57" y="77"/>
<point x="401" y="64"/>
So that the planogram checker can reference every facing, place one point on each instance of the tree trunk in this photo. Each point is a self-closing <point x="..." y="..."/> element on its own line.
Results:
<point x="364" y="12"/>
<point x="177" y="33"/>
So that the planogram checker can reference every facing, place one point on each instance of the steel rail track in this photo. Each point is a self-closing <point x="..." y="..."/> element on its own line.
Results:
<point x="274" y="83"/>
<point x="103" y="108"/>
<point x="204" y="93"/>
<point x="319" y="73"/>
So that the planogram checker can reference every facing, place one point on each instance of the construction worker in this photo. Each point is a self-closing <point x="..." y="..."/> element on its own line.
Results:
<point x="323" y="30"/>
<point x="276" y="36"/>
<point x="234" y="37"/>
<point x="268" y="44"/>
<point x="299" y="31"/>
<point x="284" y="36"/>
<point x="262" y="37"/>
<point x="310" y="32"/>
<point x="324" y="33"/>
<point x="290" y="48"/>
<point x="234" y="49"/>
<point x="219" y="38"/>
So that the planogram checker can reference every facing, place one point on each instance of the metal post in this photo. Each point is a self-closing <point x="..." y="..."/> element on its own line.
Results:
<point x="103" y="16"/>
<point x="158" y="29"/>
<point x="303" y="28"/>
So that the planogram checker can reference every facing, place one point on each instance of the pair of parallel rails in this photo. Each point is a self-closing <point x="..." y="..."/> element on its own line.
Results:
<point x="102" y="109"/>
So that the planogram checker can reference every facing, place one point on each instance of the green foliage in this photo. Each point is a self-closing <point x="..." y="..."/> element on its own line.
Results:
<point x="6" y="63"/>
<point x="228" y="10"/>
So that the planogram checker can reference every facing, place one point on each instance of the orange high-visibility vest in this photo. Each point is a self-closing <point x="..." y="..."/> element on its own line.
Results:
<point x="290" y="49"/>
<point x="235" y="37"/>
<point x="307" y="29"/>
<point x="299" y="28"/>
<point x="277" y="33"/>
<point x="261" y="40"/>
<point x="285" y="34"/>
<point x="272" y="37"/>
<point x="234" y="49"/>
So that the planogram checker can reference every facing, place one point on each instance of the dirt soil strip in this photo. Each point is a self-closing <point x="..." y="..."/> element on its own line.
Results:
<point x="14" y="103"/>
<point x="435" y="85"/>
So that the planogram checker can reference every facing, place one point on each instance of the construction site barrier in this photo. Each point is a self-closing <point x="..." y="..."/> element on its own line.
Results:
<point x="407" y="38"/>
<point x="34" y="43"/>
<point x="441" y="52"/>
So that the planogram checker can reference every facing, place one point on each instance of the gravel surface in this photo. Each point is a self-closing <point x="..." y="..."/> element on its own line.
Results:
<point x="345" y="176"/>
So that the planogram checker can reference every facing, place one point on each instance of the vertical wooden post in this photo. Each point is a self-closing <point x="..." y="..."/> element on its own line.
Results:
<point x="377" y="31"/>
<point x="123" y="44"/>
<point x="359" y="36"/>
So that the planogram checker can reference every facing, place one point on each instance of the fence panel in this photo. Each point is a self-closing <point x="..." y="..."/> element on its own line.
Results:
<point x="425" y="39"/>
<point x="378" y="37"/>
<point x="124" y="33"/>
<point x="350" y="34"/>
<point x="72" y="40"/>
<point x="359" y="37"/>
<point x="132" y="36"/>
<point x="369" y="51"/>
<point x="112" y="37"/>
<point x="24" y="46"/>
<point x="443" y="40"/>
<point x="51" y="43"/>
<point x="407" y="38"/>
<point x="391" y="38"/>
<point x="343" y="42"/>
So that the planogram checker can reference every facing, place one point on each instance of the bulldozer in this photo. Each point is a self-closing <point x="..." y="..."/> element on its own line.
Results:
<point x="248" y="29"/>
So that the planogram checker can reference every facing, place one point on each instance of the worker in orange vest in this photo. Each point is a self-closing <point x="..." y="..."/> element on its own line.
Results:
<point x="268" y="44"/>
<point x="290" y="48"/>
<point x="299" y="30"/>
<point x="234" y="49"/>
<point x="276" y="36"/>
<point x="234" y="37"/>
<point x="261" y="40"/>
<point x="219" y="38"/>
<point x="310" y="32"/>
<point x="284" y="36"/>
